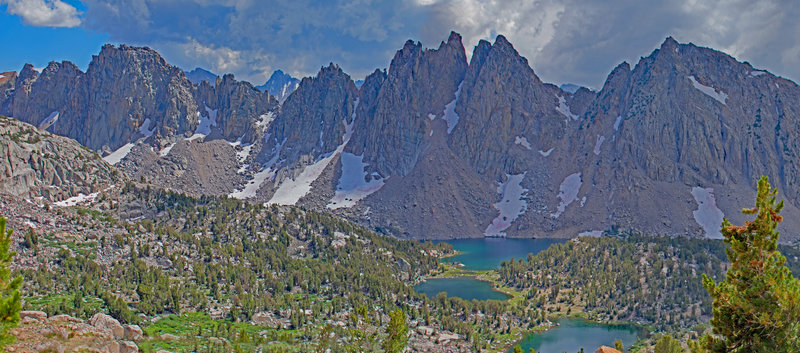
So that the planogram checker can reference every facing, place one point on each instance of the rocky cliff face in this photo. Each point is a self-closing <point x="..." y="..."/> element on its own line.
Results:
<point x="237" y="106"/>
<point x="436" y="147"/>
<point x="38" y="164"/>
<point x="130" y="93"/>
<point x="395" y="121"/>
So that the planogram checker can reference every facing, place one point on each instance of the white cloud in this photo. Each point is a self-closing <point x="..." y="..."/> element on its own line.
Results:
<point x="580" y="41"/>
<point x="219" y="59"/>
<point x="565" y="41"/>
<point x="44" y="13"/>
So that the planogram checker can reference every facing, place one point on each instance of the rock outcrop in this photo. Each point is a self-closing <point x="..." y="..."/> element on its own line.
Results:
<point x="64" y="333"/>
<point x="36" y="163"/>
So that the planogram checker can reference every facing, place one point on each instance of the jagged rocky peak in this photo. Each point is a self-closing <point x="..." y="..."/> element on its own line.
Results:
<point x="280" y="85"/>
<point x="164" y="97"/>
<point x="235" y="107"/>
<point x="199" y="75"/>
<point x="502" y="101"/>
<point x="313" y="120"/>
<point x="418" y="86"/>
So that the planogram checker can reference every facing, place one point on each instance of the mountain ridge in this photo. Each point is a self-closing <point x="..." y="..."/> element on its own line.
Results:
<point x="505" y="153"/>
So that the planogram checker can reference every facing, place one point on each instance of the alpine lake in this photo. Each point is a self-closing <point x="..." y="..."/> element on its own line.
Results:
<point x="476" y="258"/>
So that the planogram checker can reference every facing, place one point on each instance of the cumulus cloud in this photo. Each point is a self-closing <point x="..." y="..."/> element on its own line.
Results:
<point x="580" y="41"/>
<point x="251" y="38"/>
<point x="44" y="13"/>
<point x="566" y="41"/>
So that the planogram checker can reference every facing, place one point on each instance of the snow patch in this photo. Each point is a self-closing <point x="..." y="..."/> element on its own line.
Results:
<point x="563" y="108"/>
<point x="242" y="156"/>
<point x="545" y="154"/>
<point x="145" y="128"/>
<point x="252" y="186"/>
<point x="707" y="214"/>
<point x="511" y="206"/>
<point x="49" y="120"/>
<point x="431" y="116"/>
<point x="116" y="156"/>
<point x="616" y="123"/>
<point x="165" y="151"/>
<point x="599" y="143"/>
<point x="290" y="191"/>
<point x="720" y="96"/>
<point x="81" y="198"/>
<point x="591" y="233"/>
<point x="450" y="115"/>
<point x="756" y="73"/>
<point x="583" y="201"/>
<point x="353" y="186"/>
<point x="568" y="192"/>
<point x="265" y="120"/>
<point x="522" y="141"/>
<point x="204" y="124"/>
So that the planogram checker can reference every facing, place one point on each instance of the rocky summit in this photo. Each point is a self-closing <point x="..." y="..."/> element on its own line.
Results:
<point x="438" y="146"/>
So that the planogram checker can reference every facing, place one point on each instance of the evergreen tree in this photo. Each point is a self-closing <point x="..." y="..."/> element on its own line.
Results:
<point x="10" y="304"/>
<point x="756" y="307"/>
<point x="398" y="332"/>
<point x="619" y="346"/>
<point x="668" y="344"/>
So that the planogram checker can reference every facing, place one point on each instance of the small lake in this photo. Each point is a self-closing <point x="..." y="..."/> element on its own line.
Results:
<point x="466" y="288"/>
<point x="487" y="253"/>
<point x="573" y="334"/>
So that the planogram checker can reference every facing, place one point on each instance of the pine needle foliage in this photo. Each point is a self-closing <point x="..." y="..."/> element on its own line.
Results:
<point x="756" y="307"/>
<point x="10" y="304"/>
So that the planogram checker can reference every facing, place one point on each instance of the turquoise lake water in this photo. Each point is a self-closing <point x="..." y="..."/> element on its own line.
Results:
<point x="466" y="288"/>
<point x="487" y="253"/>
<point x="573" y="334"/>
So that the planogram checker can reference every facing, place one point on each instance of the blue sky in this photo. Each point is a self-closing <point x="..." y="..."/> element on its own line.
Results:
<point x="39" y="45"/>
<point x="566" y="41"/>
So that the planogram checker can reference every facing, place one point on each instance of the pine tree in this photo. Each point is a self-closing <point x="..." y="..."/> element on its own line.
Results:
<point x="756" y="307"/>
<point x="619" y="346"/>
<point x="668" y="344"/>
<point x="398" y="332"/>
<point x="10" y="304"/>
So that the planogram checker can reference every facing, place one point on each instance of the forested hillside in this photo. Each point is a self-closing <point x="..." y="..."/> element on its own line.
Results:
<point x="654" y="280"/>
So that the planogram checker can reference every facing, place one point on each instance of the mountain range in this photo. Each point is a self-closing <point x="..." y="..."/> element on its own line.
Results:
<point x="438" y="146"/>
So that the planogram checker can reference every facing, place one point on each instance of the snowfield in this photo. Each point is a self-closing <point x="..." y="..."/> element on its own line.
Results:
<point x="567" y="192"/>
<point x="145" y="130"/>
<point x="249" y="190"/>
<point x="707" y="215"/>
<point x="75" y="200"/>
<point x="49" y="120"/>
<point x="116" y="156"/>
<point x="450" y="115"/>
<point x="204" y="124"/>
<point x="353" y="186"/>
<point x="511" y="206"/>
<point x="292" y="190"/>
